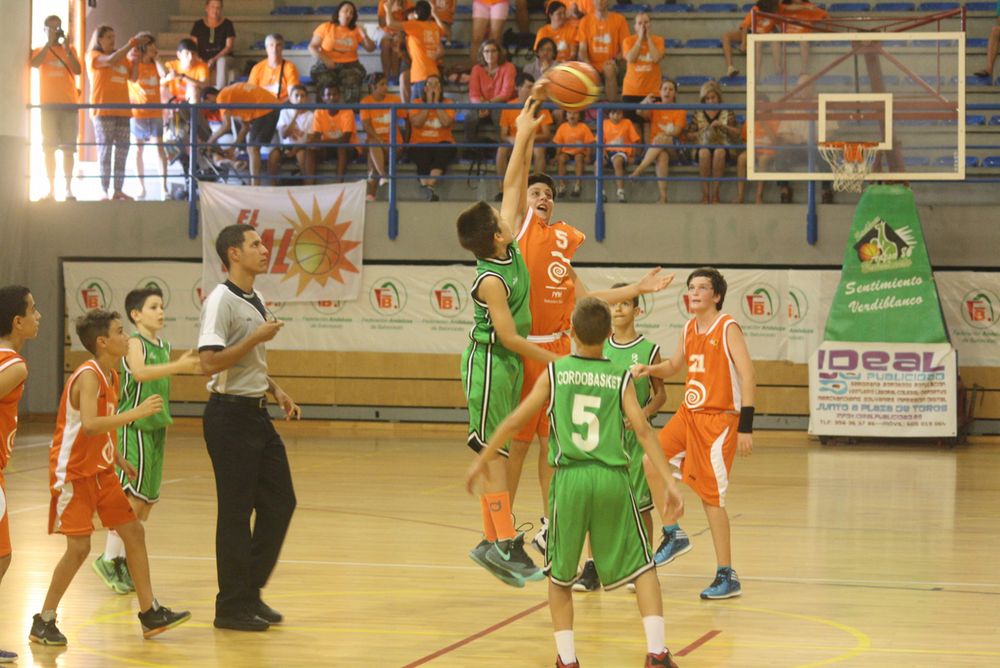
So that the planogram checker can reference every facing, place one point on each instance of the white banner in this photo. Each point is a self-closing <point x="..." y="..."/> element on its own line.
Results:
<point x="882" y="389"/>
<point x="313" y="233"/>
<point x="426" y="309"/>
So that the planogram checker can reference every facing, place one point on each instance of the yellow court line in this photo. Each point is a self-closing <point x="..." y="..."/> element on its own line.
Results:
<point x="872" y="650"/>
<point x="122" y="659"/>
<point x="442" y="488"/>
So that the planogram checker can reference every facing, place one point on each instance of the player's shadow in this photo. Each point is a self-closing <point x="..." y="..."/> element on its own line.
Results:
<point x="49" y="656"/>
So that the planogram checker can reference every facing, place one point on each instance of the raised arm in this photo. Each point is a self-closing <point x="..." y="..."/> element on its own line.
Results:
<point x="491" y="291"/>
<point x="136" y="359"/>
<point x="515" y="181"/>
<point x="651" y="282"/>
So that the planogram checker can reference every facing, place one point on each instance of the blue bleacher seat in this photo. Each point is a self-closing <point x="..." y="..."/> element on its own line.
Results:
<point x="938" y="6"/>
<point x="740" y="118"/>
<point x="292" y="10"/>
<point x="630" y="8"/>
<point x="306" y="80"/>
<point x="894" y="7"/>
<point x="971" y="161"/>
<point x="329" y="9"/>
<point x="917" y="161"/>
<point x="995" y="120"/>
<point x="975" y="119"/>
<point x="373" y="9"/>
<point x="673" y="43"/>
<point x="836" y="80"/>
<point x="716" y="7"/>
<point x="849" y="8"/>
<point x="692" y="80"/>
<point x="887" y="79"/>
<point x="747" y="7"/>
<point x="991" y="161"/>
<point x="704" y="43"/>
<point x="672" y="9"/>
<point x="737" y="81"/>
<point x="258" y="45"/>
<point x="299" y="46"/>
<point x="773" y="80"/>
<point x="944" y="161"/>
<point x="463" y="9"/>
<point x="976" y="43"/>
<point x="980" y="6"/>
<point x="973" y="80"/>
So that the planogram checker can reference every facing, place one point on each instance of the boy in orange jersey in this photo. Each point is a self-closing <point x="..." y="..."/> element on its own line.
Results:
<point x="82" y="476"/>
<point x="618" y="134"/>
<point x="378" y="124"/>
<point x="665" y="128"/>
<point x="715" y="420"/>
<point x="147" y="124"/>
<point x="391" y="41"/>
<point x="18" y="323"/>
<point x="739" y="36"/>
<point x="508" y="129"/>
<point x="187" y="75"/>
<point x="801" y="12"/>
<point x="572" y="132"/>
<point x="424" y="32"/>
<point x="333" y="127"/>
<point x="258" y="125"/>
<point x="601" y="36"/>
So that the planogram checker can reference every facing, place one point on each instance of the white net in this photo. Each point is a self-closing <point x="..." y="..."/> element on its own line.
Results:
<point x="850" y="163"/>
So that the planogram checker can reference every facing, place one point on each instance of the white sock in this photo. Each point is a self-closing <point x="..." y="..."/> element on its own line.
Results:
<point x="655" y="643"/>
<point x="566" y="647"/>
<point x="115" y="547"/>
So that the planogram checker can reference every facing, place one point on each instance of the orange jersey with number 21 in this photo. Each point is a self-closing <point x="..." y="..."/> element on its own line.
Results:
<point x="712" y="385"/>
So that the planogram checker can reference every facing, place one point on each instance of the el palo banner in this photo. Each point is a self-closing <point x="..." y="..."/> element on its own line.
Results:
<point x="313" y="234"/>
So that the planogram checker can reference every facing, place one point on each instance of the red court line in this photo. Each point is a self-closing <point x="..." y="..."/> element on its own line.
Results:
<point x="476" y="636"/>
<point x="698" y="643"/>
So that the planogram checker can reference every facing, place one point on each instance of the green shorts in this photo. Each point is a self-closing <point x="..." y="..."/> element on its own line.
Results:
<point x="596" y="499"/>
<point x="144" y="451"/>
<point x="636" y="474"/>
<point x="492" y="377"/>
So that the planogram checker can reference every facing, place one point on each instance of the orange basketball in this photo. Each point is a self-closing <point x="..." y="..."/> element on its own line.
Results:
<point x="574" y="86"/>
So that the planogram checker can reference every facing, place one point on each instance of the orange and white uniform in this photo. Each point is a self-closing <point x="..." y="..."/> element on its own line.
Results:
<point x="246" y="93"/>
<point x="700" y="439"/>
<point x="8" y="428"/>
<point x="276" y="80"/>
<point x="431" y="132"/>
<point x="82" y="476"/>
<point x="146" y="90"/>
<point x="764" y="24"/>
<point x="805" y="11"/>
<point x="667" y="121"/>
<point x="57" y="85"/>
<point x="547" y="251"/>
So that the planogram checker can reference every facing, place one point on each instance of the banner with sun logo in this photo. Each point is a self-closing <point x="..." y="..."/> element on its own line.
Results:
<point x="313" y="234"/>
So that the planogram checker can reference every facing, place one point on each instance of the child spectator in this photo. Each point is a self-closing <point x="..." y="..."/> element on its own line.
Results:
<point x="572" y="132"/>
<point x="294" y="128"/>
<point x="618" y="133"/>
<point x="665" y="128"/>
<point x="601" y="35"/>
<point x="714" y="127"/>
<point x="432" y="145"/>
<point x="275" y="74"/>
<point x="739" y="36"/>
<point x="333" y="126"/>
<point x="423" y="43"/>
<point x="391" y="42"/>
<point x="335" y="45"/>
<point x="147" y="124"/>
<point x="804" y="11"/>
<point x="561" y="31"/>
<point x="508" y="129"/>
<point x="186" y="75"/>
<point x="378" y="124"/>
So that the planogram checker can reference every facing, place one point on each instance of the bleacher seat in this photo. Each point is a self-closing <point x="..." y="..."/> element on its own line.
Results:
<point x="836" y="80"/>
<point x="373" y="10"/>
<point x="704" y="43"/>
<point x="673" y="43"/>
<point x="887" y="79"/>
<point x="938" y="6"/>
<point x="328" y="9"/>
<point x="299" y="46"/>
<point x="718" y="7"/>
<point x="849" y="8"/>
<point x="991" y="161"/>
<point x="773" y="80"/>
<point x="258" y="45"/>
<point x="630" y="8"/>
<point x="692" y="80"/>
<point x="672" y="9"/>
<point x="973" y="80"/>
<point x="944" y="161"/>
<point x="894" y="7"/>
<point x="995" y="120"/>
<point x="971" y="161"/>
<point x="747" y="7"/>
<point x="980" y="6"/>
<point x="463" y="9"/>
<point x="976" y="43"/>
<point x="975" y="119"/>
<point x="917" y="161"/>
<point x="292" y="10"/>
<point x="737" y="81"/>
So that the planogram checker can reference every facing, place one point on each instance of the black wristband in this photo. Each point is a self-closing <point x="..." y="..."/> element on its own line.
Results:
<point x="746" y="420"/>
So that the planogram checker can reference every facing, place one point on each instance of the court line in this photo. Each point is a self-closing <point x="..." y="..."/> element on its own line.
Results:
<point x="476" y="636"/>
<point x="698" y="643"/>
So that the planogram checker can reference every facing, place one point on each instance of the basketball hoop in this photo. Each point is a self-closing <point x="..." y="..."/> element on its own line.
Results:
<point x="850" y="162"/>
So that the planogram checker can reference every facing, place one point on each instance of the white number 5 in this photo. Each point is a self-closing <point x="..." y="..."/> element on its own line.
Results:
<point x="583" y="415"/>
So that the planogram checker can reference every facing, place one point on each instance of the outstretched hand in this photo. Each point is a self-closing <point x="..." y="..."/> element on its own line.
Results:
<point x="653" y="283"/>
<point x="528" y="121"/>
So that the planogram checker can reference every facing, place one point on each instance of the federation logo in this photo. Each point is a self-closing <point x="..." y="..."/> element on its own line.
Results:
<point x="980" y="309"/>
<point x="328" y="306"/>
<point x="274" y="308"/>
<point x="387" y="296"/>
<point x="94" y="293"/>
<point x="155" y="282"/>
<point x="197" y="294"/>
<point x="448" y="298"/>
<point x="797" y="305"/>
<point x="646" y="305"/>
<point x="881" y="247"/>
<point x="760" y="303"/>
<point x="318" y="251"/>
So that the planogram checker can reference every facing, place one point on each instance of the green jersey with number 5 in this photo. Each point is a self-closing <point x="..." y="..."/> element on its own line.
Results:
<point x="585" y="412"/>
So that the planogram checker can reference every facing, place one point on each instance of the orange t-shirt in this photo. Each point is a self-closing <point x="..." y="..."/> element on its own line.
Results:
<point x="246" y="93"/>
<point x="146" y="90"/>
<point x="268" y="77"/>
<point x="711" y="385"/>
<point x="805" y="11"/>
<point x="603" y="37"/>
<point x="547" y="251"/>
<point x="431" y="132"/>
<point x="73" y="453"/>
<point x="566" y="39"/>
<point x="8" y="409"/>
<point x="643" y="76"/>
<point x="445" y="10"/>
<point x="340" y="42"/>
<point x="398" y="15"/>
<point x="198" y="70"/>
<point x="578" y="134"/>
<point x="508" y="120"/>
<point x="334" y="125"/>
<point x="764" y="24"/>
<point x="622" y="132"/>
<point x="57" y="85"/>
<point x="661" y="121"/>
<point x="381" y="119"/>
<point x="423" y="42"/>
<point x="108" y="85"/>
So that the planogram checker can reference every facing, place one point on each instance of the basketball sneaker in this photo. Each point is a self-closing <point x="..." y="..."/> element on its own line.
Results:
<point x="560" y="664"/>
<point x="7" y="657"/>
<point x="540" y="540"/>
<point x="106" y="570"/>
<point x="661" y="660"/>
<point x="158" y="619"/>
<point x="725" y="585"/>
<point x="510" y="557"/>
<point x="121" y="570"/>
<point x="45" y="632"/>
<point x="674" y="544"/>
<point x="478" y="555"/>
<point x="519" y="553"/>
<point x="588" y="580"/>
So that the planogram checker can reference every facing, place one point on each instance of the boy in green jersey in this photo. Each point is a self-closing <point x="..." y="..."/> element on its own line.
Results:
<point x="589" y="399"/>
<point x="492" y="370"/>
<point x="145" y="371"/>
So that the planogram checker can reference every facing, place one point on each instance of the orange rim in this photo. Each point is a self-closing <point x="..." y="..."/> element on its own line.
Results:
<point x="854" y="151"/>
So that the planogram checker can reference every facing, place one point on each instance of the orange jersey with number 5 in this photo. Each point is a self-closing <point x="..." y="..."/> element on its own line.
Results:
<point x="712" y="384"/>
<point x="74" y="454"/>
<point x="8" y="408"/>
<point x="547" y="250"/>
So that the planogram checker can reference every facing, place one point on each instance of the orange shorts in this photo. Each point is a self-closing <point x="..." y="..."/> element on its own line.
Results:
<point x="4" y="521"/>
<point x="538" y="425"/>
<point x="702" y="446"/>
<point x="72" y="508"/>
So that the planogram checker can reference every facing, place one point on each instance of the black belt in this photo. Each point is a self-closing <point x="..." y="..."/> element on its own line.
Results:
<point x="255" y="402"/>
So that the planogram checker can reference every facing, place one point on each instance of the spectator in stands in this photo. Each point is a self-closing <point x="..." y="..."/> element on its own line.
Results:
<point x="508" y="129"/>
<point x="738" y="37"/>
<point x="561" y="31"/>
<point x="601" y="35"/>
<point x="215" y="37"/>
<point x="665" y="127"/>
<point x="619" y="132"/>
<point x="488" y="18"/>
<point x="295" y="124"/>
<point x="432" y="145"/>
<point x="187" y="75"/>
<point x="58" y="67"/>
<point x="391" y="42"/>
<point x="801" y="13"/>
<point x="643" y="53"/>
<point x="573" y="131"/>
<point x="715" y="129"/>
<point x="335" y="45"/>
<point x="275" y="73"/>
<point x="545" y="58"/>
<point x="423" y="44"/>
<point x="147" y="124"/>
<point x="491" y="82"/>
<point x="377" y="124"/>
<point x="257" y="125"/>
<point x="992" y="47"/>
<point x="445" y="10"/>
<point x="333" y="126"/>
<point x="109" y="71"/>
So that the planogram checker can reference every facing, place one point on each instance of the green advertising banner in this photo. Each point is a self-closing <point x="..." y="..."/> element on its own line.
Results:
<point x="887" y="292"/>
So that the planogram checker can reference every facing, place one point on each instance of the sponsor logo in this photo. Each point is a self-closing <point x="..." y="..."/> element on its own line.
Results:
<point x="448" y="298"/>
<point x="151" y="282"/>
<point x="387" y="296"/>
<point x="328" y="306"/>
<point x="760" y="303"/>
<point x="797" y="305"/>
<point x="881" y="247"/>
<point x="274" y="308"/>
<point x="980" y="309"/>
<point x="646" y="305"/>
<point x="94" y="293"/>
<point x="198" y="295"/>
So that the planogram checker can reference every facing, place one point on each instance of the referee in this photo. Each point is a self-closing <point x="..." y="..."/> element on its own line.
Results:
<point x="248" y="456"/>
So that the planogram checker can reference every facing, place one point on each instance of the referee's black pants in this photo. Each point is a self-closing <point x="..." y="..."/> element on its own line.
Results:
<point x="251" y="476"/>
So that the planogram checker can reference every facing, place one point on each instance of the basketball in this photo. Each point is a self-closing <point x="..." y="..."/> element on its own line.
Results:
<point x="316" y="250"/>
<point x="573" y="86"/>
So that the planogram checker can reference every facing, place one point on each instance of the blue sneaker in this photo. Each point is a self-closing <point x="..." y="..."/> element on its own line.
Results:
<point x="478" y="555"/>
<point x="7" y="657"/>
<point x="674" y="544"/>
<point x="725" y="585"/>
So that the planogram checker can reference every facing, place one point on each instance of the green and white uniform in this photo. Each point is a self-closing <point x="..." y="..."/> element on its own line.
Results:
<point x="142" y="442"/>
<point x="590" y="490"/>
<point x="491" y="374"/>
<point x="637" y="351"/>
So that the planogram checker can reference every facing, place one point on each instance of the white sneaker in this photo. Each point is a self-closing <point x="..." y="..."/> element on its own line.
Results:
<point x="621" y="194"/>
<point x="539" y="541"/>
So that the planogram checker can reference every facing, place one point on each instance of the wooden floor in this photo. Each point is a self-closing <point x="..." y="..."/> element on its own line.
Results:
<point x="875" y="555"/>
